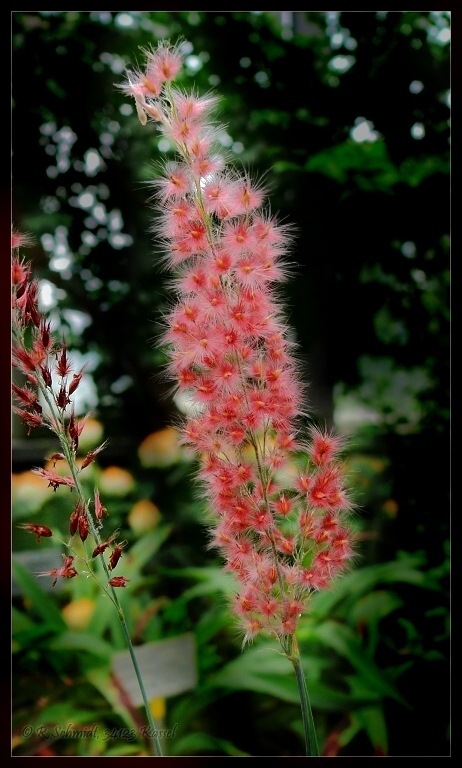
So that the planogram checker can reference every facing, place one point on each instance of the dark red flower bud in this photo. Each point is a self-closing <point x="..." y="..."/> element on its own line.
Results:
<point x="63" y="365"/>
<point x="83" y="526"/>
<point x="46" y="373"/>
<point x="23" y="360"/>
<point x="54" y="480"/>
<point x="67" y="571"/>
<point x="31" y="304"/>
<point x="74" y="520"/>
<point x="91" y="455"/>
<point x="31" y="419"/>
<point x="62" y="400"/>
<point x="39" y="530"/>
<point x="99" y="509"/>
<point x="104" y="545"/>
<point x="21" y="290"/>
<point x="118" y="581"/>
<point x="74" y="429"/>
<point x="45" y="334"/>
<point x="27" y="397"/>
<point x="56" y="457"/>
<point x="116" y="555"/>
<point x="75" y="381"/>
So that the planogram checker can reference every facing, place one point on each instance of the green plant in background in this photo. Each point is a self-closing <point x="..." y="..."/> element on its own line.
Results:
<point x="66" y="645"/>
<point x="45" y="399"/>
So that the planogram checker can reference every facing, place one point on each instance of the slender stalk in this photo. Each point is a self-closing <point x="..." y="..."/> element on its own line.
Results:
<point x="311" y="742"/>
<point x="115" y="599"/>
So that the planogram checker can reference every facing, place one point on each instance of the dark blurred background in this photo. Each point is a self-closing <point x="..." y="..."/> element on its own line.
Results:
<point x="346" y="117"/>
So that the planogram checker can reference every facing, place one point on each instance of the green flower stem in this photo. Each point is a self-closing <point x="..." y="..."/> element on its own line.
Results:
<point x="69" y="454"/>
<point x="311" y="742"/>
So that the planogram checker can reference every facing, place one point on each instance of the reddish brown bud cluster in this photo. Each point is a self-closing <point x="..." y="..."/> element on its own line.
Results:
<point x="27" y="397"/>
<point x="62" y="398"/>
<point x="91" y="455"/>
<point x="34" y="360"/>
<point x="83" y="527"/>
<point x="30" y="419"/>
<point x="54" y="480"/>
<point x="99" y="509"/>
<point x="39" y="530"/>
<point x="116" y="554"/>
<point x="67" y="571"/>
<point x="76" y="378"/>
<point x="63" y="365"/>
<point x="78" y="521"/>
<point x="56" y="457"/>
<point x="118" y="581"/>
<point x="75" y="429"/>
<point x="104" y="545"/>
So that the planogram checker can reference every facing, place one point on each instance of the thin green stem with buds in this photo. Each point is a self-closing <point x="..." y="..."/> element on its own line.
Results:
<point x="69" y="454"/>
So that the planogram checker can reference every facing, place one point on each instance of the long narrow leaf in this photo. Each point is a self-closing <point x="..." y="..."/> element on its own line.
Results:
<point x="42" y="604"/>
<point x="82" y="641"/>
<point x="361" y="581"/>
<point x="143" y="550"/>
<point x="344" y="641"/>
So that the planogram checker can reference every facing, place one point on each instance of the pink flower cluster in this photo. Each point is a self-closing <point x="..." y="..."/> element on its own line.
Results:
<point x="278" y="504"/>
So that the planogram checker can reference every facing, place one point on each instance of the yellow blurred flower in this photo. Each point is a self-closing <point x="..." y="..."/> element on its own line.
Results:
<point x="91" y="436"/>
<point x="116" y="481"/>
<point x="157" y="707"/>
<point x="160" y="449"/>
<point x="29" y="491"/>
<point x="143" y="516"/>
<point x="78" y="613"/>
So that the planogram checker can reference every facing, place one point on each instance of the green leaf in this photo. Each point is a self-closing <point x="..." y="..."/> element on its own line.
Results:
<point x="367" y="164"/>
<point x="372" y="720"/>
<point x="374" y="606"/>
<point x="264" y="669"/>
<point x="123" y="750"/>
<point x="42" y="604"/>
<point x="363" y="580"/>
<point x="198" y="743"/>
<point x="210" y="623"/>
<point x="83" y="641"/>
<point x="345" y="642"/>
<point x="184" y="710"/>
<point x="62" y="714"/>
<point x="280" y="687"/>
<point x="101" y="679"/>
<point x="348" y="733"/>
<point x="20" y="622"/>
<point x="414" y="170"/>
<point x="143" y="550"/>
<point x="29" y="638"/>
<point x="104" y="612"/>
<point x="210" y="580"/>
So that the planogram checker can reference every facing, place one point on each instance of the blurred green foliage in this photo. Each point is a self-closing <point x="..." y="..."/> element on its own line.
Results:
<point x="345" y="115"/>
